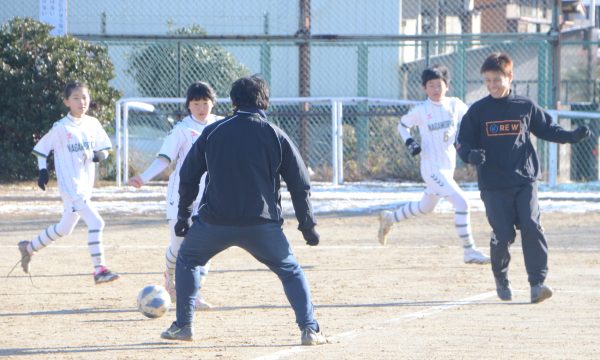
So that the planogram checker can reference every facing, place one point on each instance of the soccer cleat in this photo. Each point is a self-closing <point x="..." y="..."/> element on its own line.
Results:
<point x="175" y="332"/>
<point x="503" y="289"/>
<point x="475" y="256"/>
<point x="201" y="304"/>
<point x="105" y="276"/>
<point x="170" y="286"/>
<point x="311" y="337"/>
<point x="540" y="292"/>
<point x="25" y="256"/>
<point x="385" y="225"/>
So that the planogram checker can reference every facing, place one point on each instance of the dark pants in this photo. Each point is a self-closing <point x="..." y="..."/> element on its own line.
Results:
<point x="505" y="209"/>
<point x="266" y="243"/>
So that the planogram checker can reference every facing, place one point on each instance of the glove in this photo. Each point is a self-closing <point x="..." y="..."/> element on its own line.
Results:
<point x="99" y="156"/>
<point x="43" y="179"/>
<point x="477" y="157"/>
<point x="182" y="227"/>
<point x="580" y="133"/>
<point x="311" y="236"/>
<point x="413" y="147"/>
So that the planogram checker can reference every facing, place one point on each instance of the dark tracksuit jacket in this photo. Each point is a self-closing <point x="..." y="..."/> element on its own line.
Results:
<point x="237" y="152"/>
<point x="244" y="157"/>
<point x="507" y="179"/>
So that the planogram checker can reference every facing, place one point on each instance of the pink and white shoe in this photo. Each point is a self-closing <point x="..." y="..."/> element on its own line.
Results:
<point x="201" y="304"/>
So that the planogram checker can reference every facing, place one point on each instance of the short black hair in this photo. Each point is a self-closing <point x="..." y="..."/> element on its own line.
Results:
<point x="71" y="86"/>
<point x="498" y="61"/>
<point x="198" y="91"/>
<point x="435" y="72"/>
<point x="250" y="91"/>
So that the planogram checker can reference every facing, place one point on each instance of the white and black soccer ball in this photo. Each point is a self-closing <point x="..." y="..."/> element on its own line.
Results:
<point x="153" y="301"/>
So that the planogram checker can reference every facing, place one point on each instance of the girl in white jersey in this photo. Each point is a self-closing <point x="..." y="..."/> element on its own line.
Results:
<point x="200" y="100"/>
<point x="78" y="142"/>
<point x="437" y="119"/>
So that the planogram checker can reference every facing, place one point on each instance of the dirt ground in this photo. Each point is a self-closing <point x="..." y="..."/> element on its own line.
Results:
<point x="412" y="299"/>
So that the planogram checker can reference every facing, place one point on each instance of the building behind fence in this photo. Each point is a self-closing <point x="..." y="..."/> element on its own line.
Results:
<point x="341" y="48"/>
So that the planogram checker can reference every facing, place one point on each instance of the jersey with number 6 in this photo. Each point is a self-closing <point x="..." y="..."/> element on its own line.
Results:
<point x="438" y="124"/>
<point x="175" y="148"/>
<point x="74" y="145"/>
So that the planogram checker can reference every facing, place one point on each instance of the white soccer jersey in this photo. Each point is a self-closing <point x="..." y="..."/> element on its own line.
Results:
<point x="175" y="147"/>
<point x="438" y="124"/>
<point x="74" y="145"/>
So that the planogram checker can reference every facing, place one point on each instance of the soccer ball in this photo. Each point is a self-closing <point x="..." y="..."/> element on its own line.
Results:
<point x="153" y="301"/>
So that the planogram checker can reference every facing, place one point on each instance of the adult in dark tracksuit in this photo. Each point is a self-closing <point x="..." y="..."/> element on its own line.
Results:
<point x="244" y="157"/>
<point x="495" y="135"/>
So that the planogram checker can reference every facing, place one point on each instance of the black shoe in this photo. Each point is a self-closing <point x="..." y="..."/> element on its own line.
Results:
<point x="175" y="332"/>
<point x="503" y="289"/>
<point x="540" y="292"/>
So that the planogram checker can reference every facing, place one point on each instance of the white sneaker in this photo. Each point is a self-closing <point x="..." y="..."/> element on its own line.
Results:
<point x="385" y="225"/>
<point x="201" y="304"/>
<point x="311" y="337"/>
<point x="170" y="286"/>
<point x="474" y="256"/>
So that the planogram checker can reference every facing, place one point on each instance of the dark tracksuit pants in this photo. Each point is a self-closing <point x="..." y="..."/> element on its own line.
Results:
<point x="266" y="242"/>
<point x="504" y="209"/>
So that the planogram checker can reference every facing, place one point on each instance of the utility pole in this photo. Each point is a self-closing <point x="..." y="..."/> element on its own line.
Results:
<point x="304" y="73"/>
<point x="555" y="33"/>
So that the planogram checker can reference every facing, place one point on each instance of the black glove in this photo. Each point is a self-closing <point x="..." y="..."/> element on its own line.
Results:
<point x="311" y="236"/>
<point x="99" y="156"/>
<point x="477" y="157"/>
<point x="580" y="133"/>
<point x="182" y="227"/>
<point x="413" y="147"/>
<point x="43" y="179"/>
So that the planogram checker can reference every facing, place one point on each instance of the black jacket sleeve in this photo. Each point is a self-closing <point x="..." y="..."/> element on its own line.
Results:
<point x="294" y="173"/>
<point x="190" y="174"/>
<point x="468" y="136"/>
<point x="542" y="126"/>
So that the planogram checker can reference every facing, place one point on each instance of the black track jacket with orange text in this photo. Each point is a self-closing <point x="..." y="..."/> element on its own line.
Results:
<point x="503" y="127"/>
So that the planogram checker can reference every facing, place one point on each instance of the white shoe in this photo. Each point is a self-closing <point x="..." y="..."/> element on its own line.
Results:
<point x="474" y="256"/>
<point x="311" y="337"/>
<point x="201" y="304"/>
<point x="170" y="286"/>
<point x="385" y="225"/>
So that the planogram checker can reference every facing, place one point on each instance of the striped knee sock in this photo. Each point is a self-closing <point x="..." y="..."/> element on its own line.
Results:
<point x="44" y="239"/>
<point x="462" y="222"/>
<point x="407" y="211"/>
<point x="95" y="248"/>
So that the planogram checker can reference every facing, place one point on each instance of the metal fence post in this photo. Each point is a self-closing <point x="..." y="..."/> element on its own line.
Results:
<point x="553" y="155"/>
<point x="118" y="140"/>
<point x="334" y="145"/>
<point x="340" y="142"/>
<point x="125" y="142"/>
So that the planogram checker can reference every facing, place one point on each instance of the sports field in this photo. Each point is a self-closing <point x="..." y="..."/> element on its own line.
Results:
<point x="412" y="299"/>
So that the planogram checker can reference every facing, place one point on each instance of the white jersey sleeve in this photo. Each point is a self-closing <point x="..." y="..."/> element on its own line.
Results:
<point x="411" y="119"/>
<point x="100" y="137"/>
<point x="172" y="144"/>
<point x="46" y="143"/>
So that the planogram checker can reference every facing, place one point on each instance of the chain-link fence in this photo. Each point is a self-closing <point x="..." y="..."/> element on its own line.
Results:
<point x="335" y="48"/>
<point x="339" y="138"/>
<point x="344" y="139"/>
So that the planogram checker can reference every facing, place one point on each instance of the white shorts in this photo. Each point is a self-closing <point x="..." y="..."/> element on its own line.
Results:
<point x="441" y="183"/>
